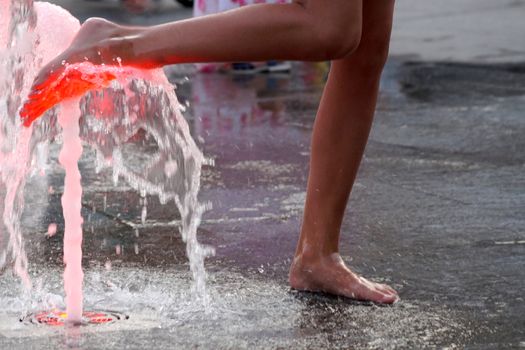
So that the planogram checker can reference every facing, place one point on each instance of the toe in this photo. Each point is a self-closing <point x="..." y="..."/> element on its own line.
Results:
<point x="370" y="293"/>
<point x="377" y="292"/>
<point x="387" y="289"/>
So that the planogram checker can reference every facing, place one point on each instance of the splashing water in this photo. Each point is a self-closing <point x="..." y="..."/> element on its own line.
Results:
<point x="136" y="103"/>
<point x="16" y="145"/>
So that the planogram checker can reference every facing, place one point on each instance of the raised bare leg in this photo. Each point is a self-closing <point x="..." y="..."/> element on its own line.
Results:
<point x="307" y="30"/>
<point x="304" y="30"/>
<point x="339" y="138"/>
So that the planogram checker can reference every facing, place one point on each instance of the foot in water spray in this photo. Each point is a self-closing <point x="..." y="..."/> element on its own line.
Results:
<point x="87" y="64"/>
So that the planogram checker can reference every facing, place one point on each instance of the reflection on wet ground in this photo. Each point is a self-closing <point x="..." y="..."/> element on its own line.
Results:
<point x="437" y="211"/>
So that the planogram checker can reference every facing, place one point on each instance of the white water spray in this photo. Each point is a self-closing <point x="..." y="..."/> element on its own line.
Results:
<point x="143" y="101"/>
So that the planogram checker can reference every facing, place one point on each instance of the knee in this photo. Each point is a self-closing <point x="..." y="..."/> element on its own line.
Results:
<point x="338" y="41"/>
<point x="335" y="31"/>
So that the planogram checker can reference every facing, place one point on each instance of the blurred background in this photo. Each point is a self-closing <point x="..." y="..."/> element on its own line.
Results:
<point x="129" y="11"/>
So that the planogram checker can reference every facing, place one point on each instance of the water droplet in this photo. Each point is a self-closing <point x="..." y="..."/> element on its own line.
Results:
<point x="51" y="230"/>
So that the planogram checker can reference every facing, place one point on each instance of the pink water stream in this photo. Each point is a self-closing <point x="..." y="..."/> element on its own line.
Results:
<point x="72" y="205"/>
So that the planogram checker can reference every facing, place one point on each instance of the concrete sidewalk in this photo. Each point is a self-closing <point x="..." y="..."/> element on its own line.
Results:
<point x="476" y="31"/>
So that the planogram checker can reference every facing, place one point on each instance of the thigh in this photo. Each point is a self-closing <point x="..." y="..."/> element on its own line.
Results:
<point x="339" y="13"/>
<point x="335" y="23"/>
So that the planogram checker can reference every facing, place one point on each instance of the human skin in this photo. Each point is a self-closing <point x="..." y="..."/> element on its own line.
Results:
<point x="353" y="34"/>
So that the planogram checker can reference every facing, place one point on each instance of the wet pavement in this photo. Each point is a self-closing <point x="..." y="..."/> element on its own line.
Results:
<point x="437" y="211"/>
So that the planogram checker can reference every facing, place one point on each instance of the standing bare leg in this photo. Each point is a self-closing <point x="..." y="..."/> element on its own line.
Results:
<point x="339" y="138"/>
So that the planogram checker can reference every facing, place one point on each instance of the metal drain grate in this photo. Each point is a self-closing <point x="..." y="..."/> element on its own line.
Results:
<point x="59" y="318"/>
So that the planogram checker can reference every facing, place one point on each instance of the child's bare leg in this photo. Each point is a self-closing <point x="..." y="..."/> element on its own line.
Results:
<point x="340" y="134"/>
<point x="305" y="30"/>
<point x="309" y="30"/>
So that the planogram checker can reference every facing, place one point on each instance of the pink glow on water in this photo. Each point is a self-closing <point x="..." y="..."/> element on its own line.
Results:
<point x="16" y="150"/>
<point x="71" y="206"/>
<point x="74" y="81"/>
<point x="54" y="19"/>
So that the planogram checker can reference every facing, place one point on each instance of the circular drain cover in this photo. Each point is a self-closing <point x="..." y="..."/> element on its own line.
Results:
<point x="59" y="318"/>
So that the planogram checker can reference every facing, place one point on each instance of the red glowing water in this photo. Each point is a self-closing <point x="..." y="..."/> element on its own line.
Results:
<point x="60" y="318"/>
<point x="74" y="81"/>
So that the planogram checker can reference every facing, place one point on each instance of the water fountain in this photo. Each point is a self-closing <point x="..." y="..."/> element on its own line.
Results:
<point x="137" y="102"/>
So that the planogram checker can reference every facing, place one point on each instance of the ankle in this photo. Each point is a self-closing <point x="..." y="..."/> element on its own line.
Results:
<point x="307" y="256"/>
